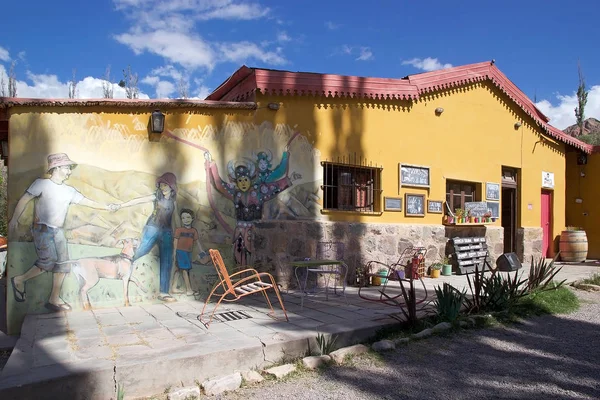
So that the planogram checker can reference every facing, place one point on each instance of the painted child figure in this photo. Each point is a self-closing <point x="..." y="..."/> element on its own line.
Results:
<point x="183" y="243"/>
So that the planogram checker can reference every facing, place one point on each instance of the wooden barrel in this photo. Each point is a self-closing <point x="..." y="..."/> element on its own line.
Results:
<point x="573" y="246"/>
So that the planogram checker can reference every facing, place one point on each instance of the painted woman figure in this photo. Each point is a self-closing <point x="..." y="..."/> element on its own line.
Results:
<point x="159" y="228"/>
<point x="265" y="173"/>
<point x="248" y="198"/>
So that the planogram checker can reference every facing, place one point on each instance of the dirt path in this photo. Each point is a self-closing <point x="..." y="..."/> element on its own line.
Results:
<point x="549" y="357"/>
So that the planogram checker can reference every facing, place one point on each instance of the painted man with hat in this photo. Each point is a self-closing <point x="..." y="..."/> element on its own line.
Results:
<point x="52" y="200"/>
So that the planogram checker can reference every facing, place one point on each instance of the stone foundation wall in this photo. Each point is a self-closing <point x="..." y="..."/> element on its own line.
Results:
<point x="278" y="242"/>
<point x="529" y="243"/>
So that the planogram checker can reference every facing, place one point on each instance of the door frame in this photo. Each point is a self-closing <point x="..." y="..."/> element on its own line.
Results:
<point x="510" y="180"/>
<point x="547" y="252"/>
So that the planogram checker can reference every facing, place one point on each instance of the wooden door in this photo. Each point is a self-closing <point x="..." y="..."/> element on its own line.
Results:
<point x="546" y="222"/>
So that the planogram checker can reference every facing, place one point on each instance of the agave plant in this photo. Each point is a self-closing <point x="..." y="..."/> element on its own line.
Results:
<point x="542" y="273"/>
<point x="448" y="302"/>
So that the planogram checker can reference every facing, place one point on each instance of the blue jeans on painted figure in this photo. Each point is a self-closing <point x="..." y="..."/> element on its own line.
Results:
<point x="150" y="236"/>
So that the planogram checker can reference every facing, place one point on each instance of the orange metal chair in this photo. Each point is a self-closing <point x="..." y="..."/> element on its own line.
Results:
<point x="238" y="287"/>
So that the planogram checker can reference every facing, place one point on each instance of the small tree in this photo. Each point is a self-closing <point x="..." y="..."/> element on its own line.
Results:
<point x="130" y="83"/>
<point x="3" y="91"/>
<point x="107" y="87"/>
<point x="73" y="86"/>
<point x="582" y="95"/>
<point x="12" y="81"/>
<point x="183" y="87"/>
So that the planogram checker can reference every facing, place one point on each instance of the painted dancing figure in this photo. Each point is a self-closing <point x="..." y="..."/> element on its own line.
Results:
<point x="248" y="195"/>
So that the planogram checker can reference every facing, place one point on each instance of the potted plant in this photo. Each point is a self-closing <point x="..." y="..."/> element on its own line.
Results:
<point x="487" y="216"/>
<point x="435" y="269"/>
<point x="446" y="266"/>
<point x="459" y="215"/>
<point x="469" y="216"/>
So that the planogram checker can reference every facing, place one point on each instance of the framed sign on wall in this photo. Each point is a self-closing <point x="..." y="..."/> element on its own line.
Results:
<point x="492" y="191"/>
<point x="435" y="207"/>
<point x="414" y="175"/>
<point x="415" y="205"/>
<point x="392" y="204"/>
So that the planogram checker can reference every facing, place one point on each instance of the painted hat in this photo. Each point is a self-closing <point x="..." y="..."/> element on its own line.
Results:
<point x="59" y="160"/>
<point x="168" y="178"/>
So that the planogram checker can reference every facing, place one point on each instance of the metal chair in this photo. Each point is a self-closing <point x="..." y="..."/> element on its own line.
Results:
<point x="238" y="287"/>
<point x="328" y="251"/>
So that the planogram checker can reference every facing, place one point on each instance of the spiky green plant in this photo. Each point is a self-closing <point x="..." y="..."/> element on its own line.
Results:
<point x="448" y="302"/>
<point x="325" y="343"/>
<point x="542" y="273"/>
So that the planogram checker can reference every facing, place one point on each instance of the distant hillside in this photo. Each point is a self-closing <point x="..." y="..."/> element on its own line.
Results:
<point x="590" y="126"/>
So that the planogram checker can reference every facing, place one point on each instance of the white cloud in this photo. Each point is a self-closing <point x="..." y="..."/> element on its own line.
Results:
<point x="242" y="51"/>
<point x="243" y="11"/>
<point x="49" y="86"/>
<point x="167" y="71"/>
<point x="187" y="50"/>
<point x="283" y="37"/>
<point x="365" y="54"/>
<point x="164" y="89"/>
<point x="562" y="115"/>
<point x="331" y="26"/>
<point x="4" y="56"/>
<point x="426" y="64"/>
<point x="362" y="53"/>
<point x="203" y="92"/>
<point x="151" y="80"/>
<point x="167" y="29"/>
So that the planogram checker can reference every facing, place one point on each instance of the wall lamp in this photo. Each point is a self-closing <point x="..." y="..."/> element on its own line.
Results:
<point x="273" y="106"/>
<point x="157" y="125"/>
<point x="518" y="125"/>
<point x="439" y="110"/>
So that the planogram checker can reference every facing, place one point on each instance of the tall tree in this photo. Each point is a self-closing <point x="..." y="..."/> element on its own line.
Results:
<point x="582" y="95"/>
<point x="73" y="86"/>
<point x="107" y="86"/>
<point x="130" y="83"/>
<point x="12" y="80"/>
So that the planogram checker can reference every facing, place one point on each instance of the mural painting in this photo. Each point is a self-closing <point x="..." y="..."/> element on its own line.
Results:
<point x="185" y="238"/>
<point x="249" y="189"/>
<point x="118" y="222"/>
<point x="52" y="200"/>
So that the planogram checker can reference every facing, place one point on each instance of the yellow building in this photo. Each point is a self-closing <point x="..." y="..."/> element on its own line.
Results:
<point x="271" y="164"/>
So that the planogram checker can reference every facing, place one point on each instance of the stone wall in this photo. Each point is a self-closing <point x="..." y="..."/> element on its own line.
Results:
<point x="529" y="243"/>
<point x="278" y="242"/>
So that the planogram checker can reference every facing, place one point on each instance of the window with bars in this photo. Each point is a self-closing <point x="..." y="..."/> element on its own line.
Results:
<point x="348" y="187"/>
<point x="458" y="193"/>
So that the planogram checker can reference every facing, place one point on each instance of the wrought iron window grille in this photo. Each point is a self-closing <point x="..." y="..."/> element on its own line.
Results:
<point x="351" y="184"/>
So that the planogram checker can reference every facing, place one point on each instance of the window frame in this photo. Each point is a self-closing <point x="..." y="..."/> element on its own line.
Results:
<point x="450" y="194"/>
<point x="335" y="191"/>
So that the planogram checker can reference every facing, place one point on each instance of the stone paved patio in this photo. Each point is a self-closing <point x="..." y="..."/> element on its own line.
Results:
<point x="149" y="347"/>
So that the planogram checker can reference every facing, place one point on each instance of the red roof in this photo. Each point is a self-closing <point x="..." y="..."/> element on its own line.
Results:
<point x="242" y="85"/>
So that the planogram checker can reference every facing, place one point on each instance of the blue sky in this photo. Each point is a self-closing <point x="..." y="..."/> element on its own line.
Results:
<point x="537" y="44"/>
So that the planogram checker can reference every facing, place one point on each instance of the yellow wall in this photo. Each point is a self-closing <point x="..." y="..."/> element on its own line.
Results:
<point x="585" y="188"/>
<point x="471" y="140"/>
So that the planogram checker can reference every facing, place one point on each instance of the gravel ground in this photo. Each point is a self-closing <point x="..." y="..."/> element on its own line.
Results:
<point x="4" y="354"/>
<point x="549" y="357"/>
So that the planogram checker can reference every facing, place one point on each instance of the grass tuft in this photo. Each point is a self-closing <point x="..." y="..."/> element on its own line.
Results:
<point x="593" y="280"/>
